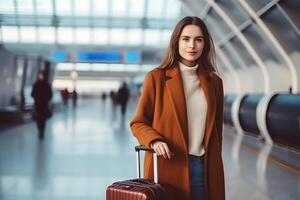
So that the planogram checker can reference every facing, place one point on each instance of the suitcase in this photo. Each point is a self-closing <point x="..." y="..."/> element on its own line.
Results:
<point x="139" y="189"/>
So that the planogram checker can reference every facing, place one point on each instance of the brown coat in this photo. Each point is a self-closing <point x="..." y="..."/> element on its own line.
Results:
<point x="161" y="115"/>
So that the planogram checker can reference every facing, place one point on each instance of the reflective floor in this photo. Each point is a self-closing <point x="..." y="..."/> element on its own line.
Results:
<point x="87" y="148"/>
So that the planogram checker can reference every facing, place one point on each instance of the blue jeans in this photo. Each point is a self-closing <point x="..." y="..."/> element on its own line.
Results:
<point x="197" y="177"/>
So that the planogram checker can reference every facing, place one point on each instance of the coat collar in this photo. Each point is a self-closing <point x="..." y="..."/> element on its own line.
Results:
<point x="175" y="90"/>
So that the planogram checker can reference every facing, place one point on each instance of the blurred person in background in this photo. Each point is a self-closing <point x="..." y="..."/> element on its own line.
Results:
<point x="103" y="96"/>
<point x="42" y="94"/>
<point x="112" y="95"/>
<point x="74" y="98"/>
<point x="65" y="96"/>
<point x="122" y="98"/>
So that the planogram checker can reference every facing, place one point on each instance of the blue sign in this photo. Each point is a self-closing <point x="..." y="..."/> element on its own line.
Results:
<point x="60" y="56"/>
<point x="111" y="57"/>
<point x="132" y="57"/>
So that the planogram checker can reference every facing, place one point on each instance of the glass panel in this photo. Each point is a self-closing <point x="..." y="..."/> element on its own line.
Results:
<point x="219" y="23"/>
<point x="65" y="35"/>
<point x="132" y="68"/>
<point x="291" y="8"/>
<point x="134" y="36"/>
<point x="83" y="35"/>
<point x="152" y="37"/>
<point x="7" y="7"/>
<point x="90" y="87"/>
<point x="282" y="29"/>
<point x="117" y="36"/>
<point x="234" y="11"/>
<point x="100" y="7"/>
<point x="64" y="66"/>
<point x="258" y="4"/>
<point x="166" y="36"/>
<point x="63" y="7"/>
<point x="83" y="66"/>
<point x="100" y="36"/>
<point x="25" y="6"/>
<point x="233" y="56"/>
<point x="82" y="7"/>
<point x="99" y="67"/>
<point x="242" y="52"/>
<point x="154" y="9"/>
<point x="213" y="29"/>
<point x="118" y="8"/>
<point x="262" y="47"/>
<point x="116" y="67"/>
<point x="10" y="34"/>
<point x="136" y="8"/>
<point x="202" y="3"/>
<point x="147" y="68"/>
<point x="172" y="10"/>
<point x="28" y="34"/>
<point x="62" y="84"/>
<point x="46" y="35"/>
<point x="44" y="7"/>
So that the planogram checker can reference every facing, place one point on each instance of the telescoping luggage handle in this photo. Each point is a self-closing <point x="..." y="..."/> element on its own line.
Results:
<point x="138" y="158"/>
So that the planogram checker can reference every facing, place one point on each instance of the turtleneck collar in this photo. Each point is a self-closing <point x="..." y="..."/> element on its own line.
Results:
<point x="188" y="70"/>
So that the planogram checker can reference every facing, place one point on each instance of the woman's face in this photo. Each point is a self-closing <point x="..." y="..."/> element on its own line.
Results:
<point x="190" y="45"/>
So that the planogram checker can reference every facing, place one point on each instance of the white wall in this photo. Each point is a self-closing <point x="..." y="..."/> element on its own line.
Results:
<point x="252" y="81"/>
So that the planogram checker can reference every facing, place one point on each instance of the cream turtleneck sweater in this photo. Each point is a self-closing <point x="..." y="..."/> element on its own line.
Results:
<point x="196" y="107"/>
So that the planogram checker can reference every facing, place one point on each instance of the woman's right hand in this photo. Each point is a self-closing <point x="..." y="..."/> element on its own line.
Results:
<point x="162" y="149"/>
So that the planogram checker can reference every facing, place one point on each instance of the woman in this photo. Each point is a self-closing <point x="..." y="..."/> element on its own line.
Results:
<point x="180" y="115"/>
<point x="42" y="93"/>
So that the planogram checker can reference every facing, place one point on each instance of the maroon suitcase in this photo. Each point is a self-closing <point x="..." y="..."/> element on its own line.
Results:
<point x="139" y="189"/>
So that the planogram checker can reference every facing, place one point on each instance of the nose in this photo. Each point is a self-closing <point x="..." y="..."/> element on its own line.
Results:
<point x="191" y="44"/>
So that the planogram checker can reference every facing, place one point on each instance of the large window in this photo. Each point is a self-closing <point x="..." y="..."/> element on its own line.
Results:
<point x="28" y="34"/>
<point x="86" y="36"/>
<point x="44" y="7"/>
<point x="7" y="7"/>
<point x="10" y="34"/>
<point x="46" y="35"/>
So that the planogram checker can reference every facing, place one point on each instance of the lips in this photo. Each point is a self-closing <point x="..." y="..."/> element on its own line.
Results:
<point x="192" y="53"/>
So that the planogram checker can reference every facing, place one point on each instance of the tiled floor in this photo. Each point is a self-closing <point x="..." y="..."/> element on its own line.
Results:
<point x="88" y="148"/>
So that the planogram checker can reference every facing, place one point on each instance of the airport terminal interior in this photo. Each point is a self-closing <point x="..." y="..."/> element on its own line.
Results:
<point x="95" y="54"/>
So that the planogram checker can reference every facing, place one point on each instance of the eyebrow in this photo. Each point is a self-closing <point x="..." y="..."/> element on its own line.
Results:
<point x="200" y="36"/>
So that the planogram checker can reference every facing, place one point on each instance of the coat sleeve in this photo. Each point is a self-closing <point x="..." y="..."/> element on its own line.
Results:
<point x="141" y="124"/>
<point x="33" y="91"/>
<point x="220" y="111"/>
<point x="50" y="92"/>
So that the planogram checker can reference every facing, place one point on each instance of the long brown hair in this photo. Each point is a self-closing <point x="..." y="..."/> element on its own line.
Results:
<point x="207" y="58"/>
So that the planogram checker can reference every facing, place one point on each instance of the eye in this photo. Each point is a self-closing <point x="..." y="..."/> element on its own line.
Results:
<point x="185" y="39"/>
<point x="199" y="39"/>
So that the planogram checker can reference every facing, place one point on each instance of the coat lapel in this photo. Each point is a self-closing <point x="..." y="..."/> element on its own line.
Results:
<point x="207" y="84"/>
<point x="175" y="90"/>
